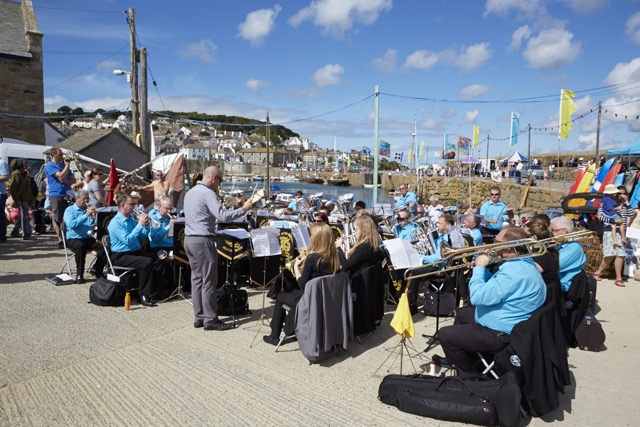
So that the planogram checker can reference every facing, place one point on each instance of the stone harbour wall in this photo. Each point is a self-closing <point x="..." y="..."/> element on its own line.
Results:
<point x="460" y="191"/>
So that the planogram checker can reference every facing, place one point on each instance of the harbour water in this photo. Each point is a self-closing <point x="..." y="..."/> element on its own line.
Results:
<point x="330" y="192"/>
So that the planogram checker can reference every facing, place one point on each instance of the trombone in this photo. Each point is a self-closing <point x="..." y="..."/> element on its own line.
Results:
<point x="576" y="236"/>
<point x="457" y="259"/>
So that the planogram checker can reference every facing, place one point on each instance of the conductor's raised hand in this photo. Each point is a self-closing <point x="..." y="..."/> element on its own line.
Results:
<point x="247" y="205"/>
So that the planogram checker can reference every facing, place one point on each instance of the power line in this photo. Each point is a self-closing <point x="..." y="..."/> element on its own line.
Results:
<point x="87" y="69"/>
<point x="78" y="10"/>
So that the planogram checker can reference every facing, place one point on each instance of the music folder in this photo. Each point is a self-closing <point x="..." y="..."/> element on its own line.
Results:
<point x="402" y="254"/>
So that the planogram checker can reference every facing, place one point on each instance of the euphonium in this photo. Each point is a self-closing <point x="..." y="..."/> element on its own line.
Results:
<point x="289" y="264"/>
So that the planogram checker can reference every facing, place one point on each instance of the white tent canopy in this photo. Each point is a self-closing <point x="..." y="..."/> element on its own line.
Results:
<point x="515" y="157"/>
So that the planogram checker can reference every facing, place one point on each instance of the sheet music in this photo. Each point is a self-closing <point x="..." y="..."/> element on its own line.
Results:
<point x="301" y="235"/>
<point x="238" y="233"/>
<point x="266" y="241"/>
<point x="402" y="253"/>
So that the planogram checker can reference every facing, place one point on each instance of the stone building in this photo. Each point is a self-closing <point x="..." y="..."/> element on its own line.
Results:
<point x="22" y="89"/>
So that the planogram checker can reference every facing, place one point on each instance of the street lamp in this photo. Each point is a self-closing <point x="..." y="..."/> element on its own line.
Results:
<point x="121" y="73"/>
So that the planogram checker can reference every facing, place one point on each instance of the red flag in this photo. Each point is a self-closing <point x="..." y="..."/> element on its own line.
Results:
<point x="113" y="183"/>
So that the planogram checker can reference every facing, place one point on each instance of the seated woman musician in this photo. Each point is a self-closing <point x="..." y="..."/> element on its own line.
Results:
<point x="322" y="259"/>
<point x="366" y="251"/>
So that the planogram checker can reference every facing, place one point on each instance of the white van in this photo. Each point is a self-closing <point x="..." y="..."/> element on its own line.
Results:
<point x="32" y="152"/>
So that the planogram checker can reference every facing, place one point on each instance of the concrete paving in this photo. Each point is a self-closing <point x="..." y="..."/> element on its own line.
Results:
<point x="66" y="362"/>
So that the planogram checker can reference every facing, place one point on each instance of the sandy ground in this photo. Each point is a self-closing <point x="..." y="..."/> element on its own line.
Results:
<point x="66" y="362"/>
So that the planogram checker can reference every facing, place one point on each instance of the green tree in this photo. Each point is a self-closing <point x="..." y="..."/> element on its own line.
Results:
<point x="64" y="110"/>
<point x="77" y="111"/>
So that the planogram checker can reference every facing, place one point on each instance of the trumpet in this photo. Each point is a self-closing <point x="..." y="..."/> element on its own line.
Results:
<point x="456" y="259"/>
<point x="138" y="211"/>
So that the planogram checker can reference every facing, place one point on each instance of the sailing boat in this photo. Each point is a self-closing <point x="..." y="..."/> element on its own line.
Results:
<point x="339" y="178"/>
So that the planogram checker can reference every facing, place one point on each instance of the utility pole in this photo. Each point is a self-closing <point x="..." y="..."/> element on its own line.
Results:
<point x="134" y="73"/>
<point x="144" y="109"/>
<point x="268" y="177"/>
<point x="487" y="164"/>
<point x="598" y="134"/>
<point x="529" y="146"/>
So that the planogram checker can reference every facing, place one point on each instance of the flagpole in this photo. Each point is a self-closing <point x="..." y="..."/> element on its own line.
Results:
<point x="376" y="143"/>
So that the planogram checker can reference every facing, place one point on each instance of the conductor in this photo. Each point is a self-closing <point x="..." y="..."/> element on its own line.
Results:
<point x="202" y="210"/>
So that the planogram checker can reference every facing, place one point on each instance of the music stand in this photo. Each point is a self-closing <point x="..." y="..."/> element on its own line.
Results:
<point x="178" y="254"/>
<point x="237" y="237"/>
<point x="266" y="244"/>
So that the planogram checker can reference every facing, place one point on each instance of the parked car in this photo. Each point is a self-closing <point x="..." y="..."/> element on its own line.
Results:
<point x="536" y="170"/>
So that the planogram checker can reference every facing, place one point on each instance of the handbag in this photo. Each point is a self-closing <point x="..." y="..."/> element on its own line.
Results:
<point x="467" y="398"/>
<point x="105" y="292"/>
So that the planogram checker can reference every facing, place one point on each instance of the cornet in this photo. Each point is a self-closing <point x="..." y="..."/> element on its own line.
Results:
<point x="138" y="211"/>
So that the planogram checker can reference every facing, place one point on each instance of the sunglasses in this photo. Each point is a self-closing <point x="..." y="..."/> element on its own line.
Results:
<point x="400" y="218"/>
<point x="495" y="194"/>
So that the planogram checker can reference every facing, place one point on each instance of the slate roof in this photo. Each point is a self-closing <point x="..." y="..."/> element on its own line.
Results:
<point x="13" y="40"/>
<point x="82" y="140"/>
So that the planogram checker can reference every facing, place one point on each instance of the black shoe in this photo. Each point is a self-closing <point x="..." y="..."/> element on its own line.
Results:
<point x="198" y="324"/>
<point x="80" y="280"/>
<point x="441" y="361"/>
<point x="60" y="245"/>
<point x="146" y="301"/>
<point x="269" y="340"/>
<point x="92" y="271"/>
<point x="217" y="325"/>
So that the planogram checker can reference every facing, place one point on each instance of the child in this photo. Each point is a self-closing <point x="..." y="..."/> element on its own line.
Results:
<point x="610" y="214"/>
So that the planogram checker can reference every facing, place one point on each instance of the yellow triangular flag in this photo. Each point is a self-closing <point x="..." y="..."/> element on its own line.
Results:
<point x="402" y="321"/>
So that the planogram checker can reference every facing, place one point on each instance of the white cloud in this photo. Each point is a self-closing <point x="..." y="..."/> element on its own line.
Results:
<point x="387" y="63"/>
<point x="202" y="50"/>
<point x="473" y="56"/>
<point x="586" y="6"/>
<point x="336" y="17"/>
<point x="633" y="28"/>
<point x="471" y="116"/>
<point x="520" y="35"/>
<point x="109" y="65"/>
<point x="329" y="75"/>
<point x="625" y="72"/>
<point x="503" y="7"/>
<point x="422" y="60"/>
<point x="551" y="49"/>
<point x="255" y="85"/>
<point x="430" y="124"/>
<point x="473" y="91"/>
<point x="258" y="25"/>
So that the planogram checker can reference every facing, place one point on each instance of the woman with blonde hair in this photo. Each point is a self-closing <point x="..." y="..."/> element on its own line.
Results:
<point x="322" y="259"/>
<point x="366" y="250"/>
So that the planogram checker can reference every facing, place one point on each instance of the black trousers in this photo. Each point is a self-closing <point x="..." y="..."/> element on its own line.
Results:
<point x="80" y="247"/>
<point x="141" y="262"/>
<point x="279" y="313"/>
<point x="165" y="273"/>
<point x="465" y="338"/>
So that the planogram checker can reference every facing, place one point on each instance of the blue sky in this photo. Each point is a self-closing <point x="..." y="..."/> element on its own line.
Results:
<point x="313" y="65"/>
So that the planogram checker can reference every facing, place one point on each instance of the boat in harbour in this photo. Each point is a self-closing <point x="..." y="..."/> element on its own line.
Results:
<point x="257" y="178"/>
<point x="371" y="185"/>
<point x="315" y="179"/>
<point x="339" y="180"/>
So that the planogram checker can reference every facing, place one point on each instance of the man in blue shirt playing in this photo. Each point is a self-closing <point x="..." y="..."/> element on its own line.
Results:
<point x="406" y="229"/>
<point x="80" y="220"/>
<point x="494" y="212"/>
<point x="407" y="199"/>
<point x="59" y="181"/>
<point x="159" y="240"/>
<point x="499" y="302"/>
<point x="127" y="235"/>
<point x="472" y="224"/>
<point x="571" y="257"/>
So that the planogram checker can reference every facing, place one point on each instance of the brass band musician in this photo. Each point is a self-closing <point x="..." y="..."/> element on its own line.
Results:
<point x="322" y="259"/>
<point x="79" y="220"/>
<point x="500" y="301"/>
<point x="127" y="236"/>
